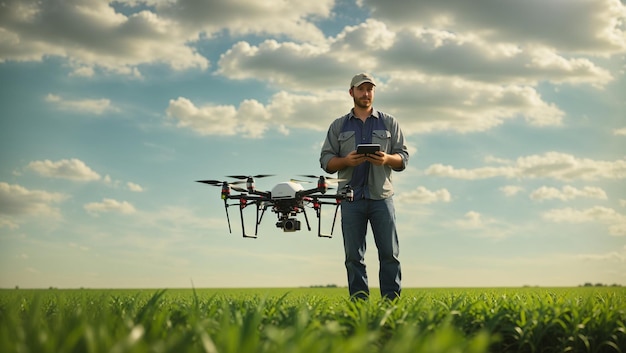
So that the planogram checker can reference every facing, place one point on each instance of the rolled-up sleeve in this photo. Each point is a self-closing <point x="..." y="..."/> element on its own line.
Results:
<point x="398" y="145"/>
<point x="331" y="147"/>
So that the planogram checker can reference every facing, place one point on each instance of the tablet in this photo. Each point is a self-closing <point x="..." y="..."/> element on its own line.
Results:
<point x="367" y="148"/>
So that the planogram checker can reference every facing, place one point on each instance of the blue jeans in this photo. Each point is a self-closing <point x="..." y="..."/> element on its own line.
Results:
<point x="381" y="215"/>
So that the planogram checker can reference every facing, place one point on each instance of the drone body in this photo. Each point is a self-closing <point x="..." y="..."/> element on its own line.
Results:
<point x="286" y="199"/>
<point x="286" y="190"/>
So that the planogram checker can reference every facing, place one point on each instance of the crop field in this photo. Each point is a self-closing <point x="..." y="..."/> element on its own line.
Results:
<point x="584" y="319"/>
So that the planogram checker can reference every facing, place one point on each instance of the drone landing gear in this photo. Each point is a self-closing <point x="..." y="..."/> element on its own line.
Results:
<point x="318" y="210"/>
<point x="243" y="203"/>
<point x="306" y="218"/>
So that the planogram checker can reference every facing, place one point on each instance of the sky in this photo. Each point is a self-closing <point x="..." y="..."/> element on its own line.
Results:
<point x="514" y="114"/>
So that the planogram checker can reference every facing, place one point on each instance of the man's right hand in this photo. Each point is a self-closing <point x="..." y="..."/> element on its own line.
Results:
<point x="351" y="160"/>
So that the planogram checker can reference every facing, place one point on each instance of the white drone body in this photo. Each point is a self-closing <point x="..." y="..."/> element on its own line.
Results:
<point x="287" y="200"/>
<point x="285" y="190"/>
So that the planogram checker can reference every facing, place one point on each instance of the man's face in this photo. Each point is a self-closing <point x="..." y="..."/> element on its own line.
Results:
<point x="363" y="95"/>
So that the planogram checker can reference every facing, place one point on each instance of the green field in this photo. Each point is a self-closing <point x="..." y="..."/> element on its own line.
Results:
<point x="313" y="320"/>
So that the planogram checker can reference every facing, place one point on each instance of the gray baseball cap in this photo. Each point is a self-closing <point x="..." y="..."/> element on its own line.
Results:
<point x="361" y="78"/>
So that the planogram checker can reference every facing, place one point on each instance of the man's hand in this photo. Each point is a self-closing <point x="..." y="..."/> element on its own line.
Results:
<point x="381" y="158"/>
<point x="377" y="158"/>
<point x="353" y="159"/>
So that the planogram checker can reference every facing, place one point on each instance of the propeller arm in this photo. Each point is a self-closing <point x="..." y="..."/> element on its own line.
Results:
<point x="303" y="193"/>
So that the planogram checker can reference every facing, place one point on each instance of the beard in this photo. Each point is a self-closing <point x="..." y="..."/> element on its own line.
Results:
<point x="363" y="103"/>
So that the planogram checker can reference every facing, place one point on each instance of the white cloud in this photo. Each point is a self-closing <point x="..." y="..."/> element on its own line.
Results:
<point x="439" y="104"/>
<point x="443" y="53"/>
<point x="252" y="119"/>
<point x="424" y="196"/>
<point x="249" y="120"/>
<point x="428" y="104"/>
<point x="555" y="165"/>
<point x="303" y="111"/>
<point x="243" y="17"/>
<point x="469" y="86"/>
<point x="368" y="37"/>
<point x="567" y="193"/>
<point x="109" y="181"/>
<point x="566" y="167"/>
<point x="593" y="27"/>
<point x="84" y="71"/>
<point x="90" y="106"/>
<point x="618" y="229"/>
<point x="511" y="190"/>
<point x="470" y="174"/>
<point x="447" y="38"/>
<point x="473" y="84"/>
<point x="476" y="224"/>
<point x="301" y="67"/>
<point x="120" y="184"/>
<point x="439" y="52"/>
<point x="444" y="72"/>
<point x="134" y="187"/>
<point x="615" y="221"/>
<point x="109" y="205"/>
<point x="472" y="220"/>
<point x="16" y="200"/>
<point x="72" y="169"/>
<point x="81" y="31"/>
<point x="620" y="132"/>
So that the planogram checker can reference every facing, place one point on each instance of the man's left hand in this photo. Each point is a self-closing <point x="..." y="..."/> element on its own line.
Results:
<point x="378" y="158"/>
<point x="381" y="158"/>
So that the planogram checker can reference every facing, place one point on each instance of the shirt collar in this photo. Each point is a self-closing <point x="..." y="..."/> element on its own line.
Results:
<point x="373" y="115"/>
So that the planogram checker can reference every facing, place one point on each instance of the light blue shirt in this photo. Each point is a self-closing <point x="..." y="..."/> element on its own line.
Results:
<point x="345" y="133"/>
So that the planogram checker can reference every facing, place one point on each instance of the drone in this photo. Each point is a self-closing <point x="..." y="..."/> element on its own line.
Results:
<point x="286" y="199"/>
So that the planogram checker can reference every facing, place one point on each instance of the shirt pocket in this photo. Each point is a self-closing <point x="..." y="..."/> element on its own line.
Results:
<point x="383" y="138"/>
<point x="347" y="143"/>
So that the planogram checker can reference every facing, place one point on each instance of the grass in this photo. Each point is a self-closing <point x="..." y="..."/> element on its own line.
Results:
<point x="313" y="320"/>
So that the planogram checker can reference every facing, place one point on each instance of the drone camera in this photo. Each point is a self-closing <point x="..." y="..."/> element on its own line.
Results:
<point x="289" y="225"/>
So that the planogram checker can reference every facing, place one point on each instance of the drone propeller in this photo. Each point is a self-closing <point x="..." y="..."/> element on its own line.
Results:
<point x="211" y="182"/>
<point x="309" y="176"/>
<point x="325" y="177"/>
<point x="300" y="181"/>
<point x="245" y="177"/>
<point x="306" y="181"/>
<point x="224" y="184"/>
<point x="219" y="182"/>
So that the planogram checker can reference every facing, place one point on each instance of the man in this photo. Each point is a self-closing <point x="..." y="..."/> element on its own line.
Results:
<point x="370" y="178"/>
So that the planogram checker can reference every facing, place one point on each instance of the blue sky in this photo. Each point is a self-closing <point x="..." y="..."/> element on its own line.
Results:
<point x="514" y="114"/>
